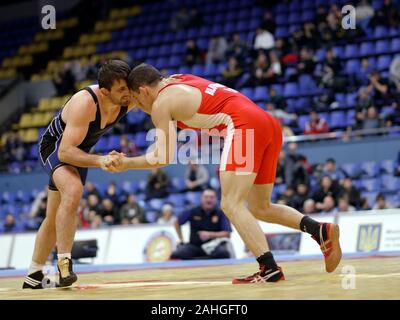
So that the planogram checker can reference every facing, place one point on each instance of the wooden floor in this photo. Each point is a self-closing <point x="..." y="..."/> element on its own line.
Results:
<point x="376" y="278"/>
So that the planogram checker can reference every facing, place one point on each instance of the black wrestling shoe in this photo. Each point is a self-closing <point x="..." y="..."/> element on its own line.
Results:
<point x="66" y="276"/>
<point x="37" y="280"/>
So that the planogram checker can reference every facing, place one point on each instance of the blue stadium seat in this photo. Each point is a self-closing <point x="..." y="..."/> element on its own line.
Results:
<point x="390" y="183"/>
<point x="388" y="166"/>
<point x="178" y="183"/>
<point x="140" y="140"/>
<point x="382" y="46"/>
<point x="248" y="92"/>
<point x="290" y="89"/>
<point x="352" y="66"/>
<point x="175" y="61"/>
<point x="152" y="216"/>
<point x="281" y="32"/>
<point x="308" y="15"/>
<point x="337" y="119"/>
<point x="370" y="196"/>
<point x="281" y="19"/>
<point x="197" y="70"/>
<point x="156" y="203"/>
<point x="383" y="62"/>
<point x="367" y="48"/>
<point x="113" y="142"/>
<point x="177" y="200"/>
<point x="351" y="51"/>
<point x="302" y="120"/>
<point x="260" y="93"/>
<point x="371" y="168"/>
<point x="381" y="32"/>
<point x="294" y="17"/>
<point x="194" y="198"/>
<point x="371" y="184"/>
<point x="395" y="45"/>
<point x="351" y="169"/>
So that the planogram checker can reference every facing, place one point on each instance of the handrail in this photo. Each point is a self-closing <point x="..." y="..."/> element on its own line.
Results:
<point x="341" y="134"/>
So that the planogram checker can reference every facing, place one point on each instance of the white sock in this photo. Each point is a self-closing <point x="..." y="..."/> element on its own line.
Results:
<point x="34" y="267"/>
<point x="61" y="256"/>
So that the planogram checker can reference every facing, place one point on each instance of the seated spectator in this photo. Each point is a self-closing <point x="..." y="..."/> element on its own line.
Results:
<point x="128" y="147"/>
<point x="209" y="231"/>
<point x="279" y="113"/>
<point x="276" y="99"/>
<point x="259" y="71"/>
<point x="306" y="64"/>
<point x="378" y="88"/>
<point x="309" y="207"/>
<point x="344" y="205"/>
<point x="352" y="192"/>
<point x="268" y="23"/>
<point x="90" y="189"/>
<point x="364" y="100"/>
<point x="64" y="80"/>
<point x="9" y="224"/>
<point x="302" y="194"/>
<point x="96" y="221"/>
<point x="306" y="36"/>
<point x="94" y="203"/>
<point x="387" y="14"/>
<point x="216" y="50"/>
<point x="289" y="196"/>
<point x="264" y="40"/>
<point x="109" y="212"/>
<point x="363" y="73"/>
<point x="157" y="184"/>
<point x="380" y="202"/>
<point x="316" y="125"/>
<point x="331" y="170"/>
<point x="167" y="215"/>
<point x="132" y="211"/>
<point x="364" y="13"/>
<point x="327" y="206"/>
<point x="196" y="177"/>
<point x="372" y="120"/>
<point x="327" y="187"/>
<point x="192" y="54"/>
<point x="180" y="20"/>
<point x="39" y="206"/>
<point x="14" y="148"/>
<point x="331" y="67"/>
<point x="112" y="193"/>
<point x="237" y="48"/>
<point x="274" y="70"/>
<point x="232" y="73"/>
<point x="196" y="18"/>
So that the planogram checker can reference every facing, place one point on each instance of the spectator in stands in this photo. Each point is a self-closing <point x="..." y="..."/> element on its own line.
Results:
<point x="128" y="147"/>
<point x="180" y="20"/>
<point x="276" y="99"/>
<point x="364" y="99"/>
<point x="96" y="221"/>
<point x="377" y="88"/>
<point x="196" y="18"/>
<point x="309" y="207"/>
<point x="327" y="206"/>
<point x="380" y="202"/>
<point x="217" y="48"/>
<point x="91" y="189"/>
<point x="39" y="205"/>
<point x="259" y="73"/>
<point x="264" y="40"/>
<point x="157" y="184"/>
<point x="316" y="125"/>
<point x="289" y="196"/>
<point x="331" y="170"/>
<point x="112" y="193"/>
<point x="388" y="14"/>
<point x="268" y="23"/>
<point x="196" y="177"/>
<point x="363" y="73"/>
<point x="274" y="70"/>
<point x="301" y="195"/>
<point x="280" y="169"/>
<point x="64" y="80"/>
<point x="306" y="64"/>
<point x="9" y="224"/>
<point x="237" y="48"/>
<point x="209" y="231"/>
<point x="14" y="148"/>
<point x="231" y="73"/>
<point x="394" y="70"/>
<point x="306" y="36"/>
<point x="331" y="68"/>
<point x="93" y="205"/>
<point x="192" y="54"/>
<point x="372" y="120"/>
<point x="321" y="14"/>
<point x="132" y="211"/>
<point x="344" y="205"/>
<point x="109" y="212"/>
<point x="364" y="13"/>
<point x="327" y="187"/>
<point x="352" y="192"/>
<point x="279" y="113"/>
<point x="167" y="215"/>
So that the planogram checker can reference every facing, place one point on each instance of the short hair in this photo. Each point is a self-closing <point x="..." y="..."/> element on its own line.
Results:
<point x="144" y="74"/>
<point x="110" y="71"/>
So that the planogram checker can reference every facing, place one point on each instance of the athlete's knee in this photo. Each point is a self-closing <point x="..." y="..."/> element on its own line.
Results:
<point x="71" y="196"/>
<point x="262" y="212"/>
<point x="230" y="205"/>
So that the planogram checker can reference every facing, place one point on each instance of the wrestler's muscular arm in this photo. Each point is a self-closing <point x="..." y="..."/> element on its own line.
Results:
<point x="81" y="111"/>
<point x="173" y="103"/>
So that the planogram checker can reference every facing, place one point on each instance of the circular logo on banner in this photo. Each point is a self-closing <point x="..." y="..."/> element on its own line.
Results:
<point x="159" y="247"/>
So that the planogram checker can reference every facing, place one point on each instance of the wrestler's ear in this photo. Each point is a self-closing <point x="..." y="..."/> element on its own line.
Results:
<point x="105" y="91"/>
<point x="143" y="90"/>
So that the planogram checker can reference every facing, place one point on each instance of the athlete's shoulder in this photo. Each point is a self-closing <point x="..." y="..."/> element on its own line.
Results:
<point x="81" y="105"/>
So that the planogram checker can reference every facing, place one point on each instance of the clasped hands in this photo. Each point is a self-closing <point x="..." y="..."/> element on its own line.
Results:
<point x="113" y="162"/>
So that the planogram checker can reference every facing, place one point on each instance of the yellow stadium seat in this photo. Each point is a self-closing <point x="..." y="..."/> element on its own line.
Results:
<point x="44" y="104"/>
<point x="31" y="135"/>
<point x="25" y="120"/>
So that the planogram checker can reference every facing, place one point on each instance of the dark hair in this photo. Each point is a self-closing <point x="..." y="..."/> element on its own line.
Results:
<point x="110" y="71"/>
<point x="143" y="74"/>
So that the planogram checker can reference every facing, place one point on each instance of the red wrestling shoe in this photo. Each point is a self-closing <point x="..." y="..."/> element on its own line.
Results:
<point x="262" y="276"/>
<point x="330" y="246"/>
